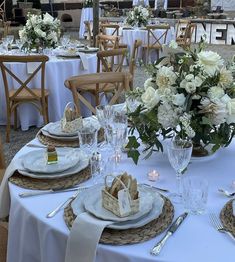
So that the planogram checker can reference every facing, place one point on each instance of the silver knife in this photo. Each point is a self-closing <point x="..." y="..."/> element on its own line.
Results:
<point x="157" y="188"/>
<point x="158" y="247"/>
<point x="51" y="191"/>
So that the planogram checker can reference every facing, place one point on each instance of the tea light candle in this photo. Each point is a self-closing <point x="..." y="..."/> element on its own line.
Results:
<point x="233" y="184"/>
<point x="153" y="175"/>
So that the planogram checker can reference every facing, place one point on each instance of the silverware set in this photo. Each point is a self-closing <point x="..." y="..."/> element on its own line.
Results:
<point x="215" y="221"/>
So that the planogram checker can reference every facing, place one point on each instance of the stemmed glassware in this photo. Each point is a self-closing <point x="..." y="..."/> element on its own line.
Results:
<point x="19" y="44"/>
<point x="88" y="144"/>
<point x="5" y="43"/>
<point x="65" y="39"/>
<point x="179" y="154"/>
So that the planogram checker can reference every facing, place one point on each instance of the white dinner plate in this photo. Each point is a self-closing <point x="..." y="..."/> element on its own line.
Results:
<point x="82" y="164"/>
<point x="89" y="50"/>
<point x="35" y="161"/>
<point x="93" y="204"/>
<point x="88" y="121"/>
<point x="158" y="203"/>
<point x="55" y="129"/>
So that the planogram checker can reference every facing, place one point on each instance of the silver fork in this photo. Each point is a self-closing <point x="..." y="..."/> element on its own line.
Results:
<point x="218" y="226"/>
<point x="226" y="193"/>
<point x="64" y="204"/>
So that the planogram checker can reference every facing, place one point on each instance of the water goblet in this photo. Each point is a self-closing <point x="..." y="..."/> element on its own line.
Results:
<point x="65" y="39"/>
<point x="5" y="43"/>
<point x="10" y="39"/>
<point x="88" y="144"/>
<point x="19" y="44"/>
<point x="179" y="154"/>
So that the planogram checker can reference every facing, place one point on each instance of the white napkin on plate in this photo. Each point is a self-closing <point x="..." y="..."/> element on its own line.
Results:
<point x="84" y="60"/>
<point x="4" y="188"/>
<point x="32" y="66"/>
<point x="84" y="238"/>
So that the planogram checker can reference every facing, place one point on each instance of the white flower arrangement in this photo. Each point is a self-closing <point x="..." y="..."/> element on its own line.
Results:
<point x="40" y="31"/>
<point x="138" y="16"/>
<point x="193" y="95"/>
<point x="88" y="3"/>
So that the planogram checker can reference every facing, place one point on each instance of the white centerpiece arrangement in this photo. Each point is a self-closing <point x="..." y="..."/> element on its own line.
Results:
<point x="138" y="16"/>
<point x="88" y="4"/>
<point x="191" y="93"/>
<point x="40" y="32"/>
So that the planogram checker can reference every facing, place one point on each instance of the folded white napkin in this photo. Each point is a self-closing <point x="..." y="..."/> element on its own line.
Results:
<point x="32" y="66"/>
<point x="84" y="60"/>
<point x="4" y="188"/>
<point x="84" y="238"/>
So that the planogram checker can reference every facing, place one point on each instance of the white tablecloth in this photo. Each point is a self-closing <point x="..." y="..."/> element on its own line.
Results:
<point x="128" y="36"/>
<point x="87" y="15"/>
<point x="138" y="2"/>
<point x="158" y="4"/>
<point x="34" y="238"/>
<point x="57" y="71"/>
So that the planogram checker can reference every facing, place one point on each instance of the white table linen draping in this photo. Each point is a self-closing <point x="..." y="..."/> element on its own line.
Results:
<point x="87" y="15"/>
<point x="34" y="238"/>
<point x="165" y="4"/>
<point x="138" y="2"/>
<point x="130" y="35"/>
<point x="57" y="71"/>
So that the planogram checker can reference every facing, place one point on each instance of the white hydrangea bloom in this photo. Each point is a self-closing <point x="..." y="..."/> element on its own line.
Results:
<point x="215" y="93"/>
<point x="226" y="78"/>
<point x="165" y="77"/>
<point x="167" y="115"/>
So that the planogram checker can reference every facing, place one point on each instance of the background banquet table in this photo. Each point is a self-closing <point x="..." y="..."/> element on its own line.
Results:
<point x="128" y="36"/>
<point x="57" y="71"/>
<point x="87" y="15"/>
<point x="33" y="237"/>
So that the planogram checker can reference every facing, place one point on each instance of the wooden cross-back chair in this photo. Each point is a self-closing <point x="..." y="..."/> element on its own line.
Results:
<point x="2" y="160"/>
<point x="89" y="30"/>
<point x="99" y="81"/>
<point x="3" y="241"/>
<point x="106" y="42"/>
<point x="157" y="35"/>
<point x="186" y="40"/>
<point x="133" y="59"/>
<point x="3" y="11"/>
<point x="106" y="60"/>
<point x="38" y="96"/>
<point x="181" y="26"/>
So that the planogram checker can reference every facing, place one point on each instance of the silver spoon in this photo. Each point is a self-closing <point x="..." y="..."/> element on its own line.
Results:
<point x="226" y="193"/>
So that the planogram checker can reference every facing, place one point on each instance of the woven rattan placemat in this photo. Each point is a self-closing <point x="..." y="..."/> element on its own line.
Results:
<point x="227" y="217"/>
<point x="45" y="140"/>
<point x="46" y="184"/>
<point x="132" y="235"/>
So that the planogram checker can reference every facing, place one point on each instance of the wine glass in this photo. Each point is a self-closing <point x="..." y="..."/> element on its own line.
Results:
<point x="10" y="39"/>
<point x="65" y="39"/>
<point x="179" y="154"/>
<point x="5" y="43"/>
<point x="88" y="144"/>
<point x="19" y="44"/>
<point x="117" y="135"/>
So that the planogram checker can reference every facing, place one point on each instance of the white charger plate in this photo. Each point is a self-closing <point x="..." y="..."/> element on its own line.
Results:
<point x="93" y="204"/>
<point x="35" y="161"/>
<point x="158" y="203"/>
<point x="82" y="164"/>
<point x="88" y="121"/>
<point x="55" y="129"/>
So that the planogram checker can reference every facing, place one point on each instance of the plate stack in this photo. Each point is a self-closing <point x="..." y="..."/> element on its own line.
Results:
<point x="155" y="214"/>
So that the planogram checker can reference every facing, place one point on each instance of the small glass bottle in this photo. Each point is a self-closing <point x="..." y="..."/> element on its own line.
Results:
<point x="52" y="157"/>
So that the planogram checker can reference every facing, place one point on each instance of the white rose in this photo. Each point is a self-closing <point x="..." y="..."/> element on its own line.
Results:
<point x="178" y="99"/>
<point x="150" y="97"/>
<point x="149" y="82"/>
<point x="198" y="81"/>
<point x="231" y="111"/>
<point x="215" y="93"/>
<point x="189" y="77"/>
<point x="190" y="87"/>
<point x="210" y="61"/>
<point x="165" y="77"/>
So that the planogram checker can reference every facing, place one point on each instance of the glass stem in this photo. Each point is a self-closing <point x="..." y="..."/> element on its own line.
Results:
<point x="179" y="182"/>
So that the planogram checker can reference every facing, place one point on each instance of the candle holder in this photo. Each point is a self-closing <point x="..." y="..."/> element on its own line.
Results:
<point x="153" y="175"/>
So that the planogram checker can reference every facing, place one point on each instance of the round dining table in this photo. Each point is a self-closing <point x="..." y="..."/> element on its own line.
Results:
<point x="58" y="69"/>
<point x="35" y="238"/>
<point x="128" y="35"/>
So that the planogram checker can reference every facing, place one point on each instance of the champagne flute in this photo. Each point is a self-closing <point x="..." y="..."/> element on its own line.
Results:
<point x="179" y="154"/>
